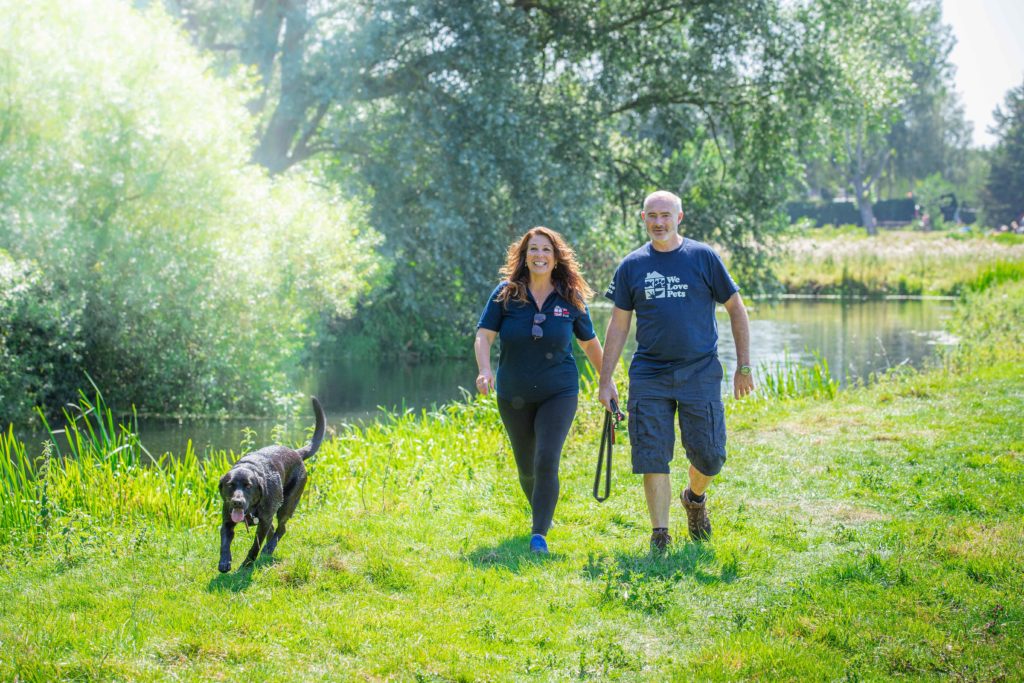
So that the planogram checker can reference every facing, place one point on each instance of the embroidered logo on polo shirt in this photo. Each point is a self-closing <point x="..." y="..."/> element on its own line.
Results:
<point x="562" y="312"/>
<point x="658" y="286"/>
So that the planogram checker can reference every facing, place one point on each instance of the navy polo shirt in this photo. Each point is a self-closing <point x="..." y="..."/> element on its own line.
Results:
<point x="674" y="294"/>
<point x="529" y="369"/>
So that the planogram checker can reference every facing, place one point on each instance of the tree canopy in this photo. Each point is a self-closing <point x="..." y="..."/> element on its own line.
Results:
<point x="890" y="113"/>
<point x="136" y="230"/>
<point x="1004" y="191"/>
<point x="469" y="122"/>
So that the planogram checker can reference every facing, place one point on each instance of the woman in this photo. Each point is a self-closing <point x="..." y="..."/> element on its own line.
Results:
<point x="536" y="310"/>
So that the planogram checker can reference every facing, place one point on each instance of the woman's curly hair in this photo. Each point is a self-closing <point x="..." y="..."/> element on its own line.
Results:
<point x="568" y="281"/>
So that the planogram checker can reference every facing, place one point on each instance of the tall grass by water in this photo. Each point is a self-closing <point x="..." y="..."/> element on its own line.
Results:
<point x="847" y="262"/>
<point x="98" y="466"/>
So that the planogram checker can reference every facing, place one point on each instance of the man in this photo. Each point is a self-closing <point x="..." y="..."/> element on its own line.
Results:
<point x="673" y="284"/>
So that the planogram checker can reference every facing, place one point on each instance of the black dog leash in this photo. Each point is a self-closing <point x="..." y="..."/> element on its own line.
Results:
<point x="604" y="455"/>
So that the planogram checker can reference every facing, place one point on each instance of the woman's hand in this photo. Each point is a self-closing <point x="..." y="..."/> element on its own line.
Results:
<point x="482" y="351"/>
<point x="485" y="382"/>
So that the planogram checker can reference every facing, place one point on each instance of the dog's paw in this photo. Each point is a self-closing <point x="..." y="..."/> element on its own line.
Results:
<point x="224" y="566"/>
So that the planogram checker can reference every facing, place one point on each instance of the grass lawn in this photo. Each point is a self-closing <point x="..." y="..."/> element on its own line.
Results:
<point x="876" y="535"/>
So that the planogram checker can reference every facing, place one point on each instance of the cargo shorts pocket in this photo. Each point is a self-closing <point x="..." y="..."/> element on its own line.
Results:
<point x="651" y="434"/>
<point x="702" y="427"/>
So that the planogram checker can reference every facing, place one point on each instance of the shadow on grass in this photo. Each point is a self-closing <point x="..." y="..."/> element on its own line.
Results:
<point x="512" y="554"/>
<point x="238" y="580"/>
<point x="695" y="560"/>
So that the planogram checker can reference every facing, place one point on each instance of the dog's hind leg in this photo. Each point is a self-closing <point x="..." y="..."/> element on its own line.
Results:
<point x="265" y="529"/>
<point x="291" y="500"/>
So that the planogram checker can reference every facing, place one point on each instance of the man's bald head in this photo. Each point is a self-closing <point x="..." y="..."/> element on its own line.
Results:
<point x="662" y="196"/>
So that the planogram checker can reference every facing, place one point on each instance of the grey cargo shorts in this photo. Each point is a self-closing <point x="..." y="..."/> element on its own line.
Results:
<point x="654" y="403"/>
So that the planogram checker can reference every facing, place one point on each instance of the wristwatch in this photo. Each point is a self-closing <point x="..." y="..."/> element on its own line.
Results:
<point x="746" y="369"/>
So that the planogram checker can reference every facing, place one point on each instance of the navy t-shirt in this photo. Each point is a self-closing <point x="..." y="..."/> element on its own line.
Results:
<point x="674" y="294"/>
<point x="531" y="369"/>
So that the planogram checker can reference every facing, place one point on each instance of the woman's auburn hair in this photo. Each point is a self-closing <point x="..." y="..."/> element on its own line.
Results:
<point x="568" y="281"/>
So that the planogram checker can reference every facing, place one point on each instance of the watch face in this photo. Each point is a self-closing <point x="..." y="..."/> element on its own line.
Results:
<point x="745" y="370"/>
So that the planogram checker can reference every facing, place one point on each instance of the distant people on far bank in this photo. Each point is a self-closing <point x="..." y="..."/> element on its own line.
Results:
<point x="536" y="310"/>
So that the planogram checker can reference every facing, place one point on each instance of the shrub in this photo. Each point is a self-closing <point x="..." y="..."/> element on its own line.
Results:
<point x="40" y="340"/>
<point x="125" y="176"/>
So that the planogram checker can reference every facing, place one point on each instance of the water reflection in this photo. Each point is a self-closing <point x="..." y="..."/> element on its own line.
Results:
<point x="856" y="338"/>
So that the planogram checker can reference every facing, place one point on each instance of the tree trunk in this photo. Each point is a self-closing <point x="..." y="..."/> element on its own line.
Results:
<point x="276" y="142"/>
<point x="867" y="216"/>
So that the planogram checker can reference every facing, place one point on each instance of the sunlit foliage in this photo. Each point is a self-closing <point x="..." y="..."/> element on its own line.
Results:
<point x="179" y="274"/>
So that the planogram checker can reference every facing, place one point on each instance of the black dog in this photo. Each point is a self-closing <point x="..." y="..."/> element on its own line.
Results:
<point x="261" y="484"/>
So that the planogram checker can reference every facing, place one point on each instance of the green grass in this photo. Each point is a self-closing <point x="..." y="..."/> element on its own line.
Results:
<point x="873" y="534"/>
<point x="894" y="262"/>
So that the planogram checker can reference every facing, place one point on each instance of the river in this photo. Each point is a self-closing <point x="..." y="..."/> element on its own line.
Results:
<point x="856" y="338"/>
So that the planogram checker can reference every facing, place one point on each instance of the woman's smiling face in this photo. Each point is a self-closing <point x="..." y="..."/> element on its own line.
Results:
<point x="540" y="255"/>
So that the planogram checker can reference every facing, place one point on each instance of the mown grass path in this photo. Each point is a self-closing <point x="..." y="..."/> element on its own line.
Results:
<point x="873" y="536"/>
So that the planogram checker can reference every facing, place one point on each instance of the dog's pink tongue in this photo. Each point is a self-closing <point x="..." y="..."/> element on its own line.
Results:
<point x="237" y="515"/>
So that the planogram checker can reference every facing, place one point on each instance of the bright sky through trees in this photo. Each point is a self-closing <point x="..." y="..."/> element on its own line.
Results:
<point x="989" y="56"/>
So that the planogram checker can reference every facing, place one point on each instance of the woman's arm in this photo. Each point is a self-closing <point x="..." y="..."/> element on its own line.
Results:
<point x="594" y="353"/>
<point x="482" y="349"/>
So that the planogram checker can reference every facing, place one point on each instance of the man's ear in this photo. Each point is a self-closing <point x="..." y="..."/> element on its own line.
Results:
<point x="680" y="219"/>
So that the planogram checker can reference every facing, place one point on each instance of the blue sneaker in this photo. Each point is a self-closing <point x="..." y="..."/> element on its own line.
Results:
<point x="538" y="545"/>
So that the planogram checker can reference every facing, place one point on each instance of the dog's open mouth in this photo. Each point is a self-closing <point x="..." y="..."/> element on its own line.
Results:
<point x="237" y="515"/>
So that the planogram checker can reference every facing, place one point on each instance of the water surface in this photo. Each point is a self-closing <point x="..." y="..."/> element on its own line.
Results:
<point x="856" y="338"/>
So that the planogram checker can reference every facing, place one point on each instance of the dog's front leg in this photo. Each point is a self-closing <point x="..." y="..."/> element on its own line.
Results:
<point x="265" y="528"/>
<point x="227" y="534"/>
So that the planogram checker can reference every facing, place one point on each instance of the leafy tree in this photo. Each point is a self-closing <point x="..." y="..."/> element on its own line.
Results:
<point x="931" y="135"/>
<point x="1004" y="192"/>
<point x="192" y="279"/>
<point x="468" y="122"/>
<point x="889" y="112"/>
<point x="40" y="340"/>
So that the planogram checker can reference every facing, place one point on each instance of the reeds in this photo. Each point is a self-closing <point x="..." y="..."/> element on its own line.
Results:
<point x="826" y="261"/>
<point x="790" y="379"/>
<point x="97" y="465"/>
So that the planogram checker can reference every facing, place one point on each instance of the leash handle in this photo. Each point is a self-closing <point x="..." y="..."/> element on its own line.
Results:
<point x="604" y="454"/>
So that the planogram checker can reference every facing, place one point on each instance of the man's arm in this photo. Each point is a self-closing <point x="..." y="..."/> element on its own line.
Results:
<point x="614" y="341"/>
<point x="742" y="384"/>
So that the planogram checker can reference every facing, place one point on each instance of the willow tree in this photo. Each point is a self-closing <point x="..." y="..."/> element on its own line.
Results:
<point x="884" y="87"/>
<point x="185" y="278"/>
<point x="468" y="122"/>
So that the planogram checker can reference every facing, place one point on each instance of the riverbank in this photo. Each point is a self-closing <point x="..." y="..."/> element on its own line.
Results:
<point x="871" y="535"/>
<point x="847" y="262"/>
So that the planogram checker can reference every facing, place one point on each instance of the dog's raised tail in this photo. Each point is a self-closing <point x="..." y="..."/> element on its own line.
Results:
<point x="309" y="450"/>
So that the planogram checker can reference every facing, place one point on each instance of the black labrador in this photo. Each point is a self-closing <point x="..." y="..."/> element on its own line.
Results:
<point x="261" y="484"/>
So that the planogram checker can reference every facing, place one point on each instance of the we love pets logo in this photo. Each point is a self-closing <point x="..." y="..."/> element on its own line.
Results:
<point x="562" y="312"/>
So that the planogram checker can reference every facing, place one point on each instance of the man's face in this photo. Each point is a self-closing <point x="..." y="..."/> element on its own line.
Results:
<point x="662" y="216"/>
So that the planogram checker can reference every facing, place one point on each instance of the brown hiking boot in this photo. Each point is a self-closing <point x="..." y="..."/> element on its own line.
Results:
<point x="696" y="517"/>
<point x="660" y="540"/>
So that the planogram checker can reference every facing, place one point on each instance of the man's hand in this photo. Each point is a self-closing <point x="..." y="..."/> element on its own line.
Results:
<point x="607" y="394"/>
<point x="742" y="384"/>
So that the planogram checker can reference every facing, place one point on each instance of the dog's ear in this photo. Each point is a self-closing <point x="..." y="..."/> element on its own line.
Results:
<point x="257" y="488"/>
<point x="254" y="487"/>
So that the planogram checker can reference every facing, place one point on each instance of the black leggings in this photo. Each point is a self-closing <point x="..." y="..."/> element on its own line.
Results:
<point x="537" y="432"/>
